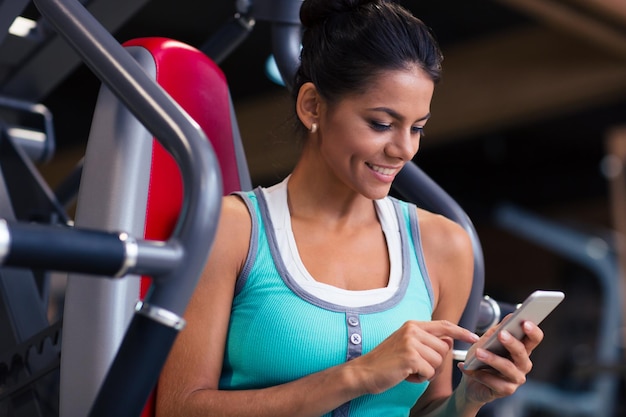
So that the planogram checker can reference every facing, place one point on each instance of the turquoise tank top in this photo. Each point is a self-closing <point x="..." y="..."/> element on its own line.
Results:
<point x="278" y="332"/>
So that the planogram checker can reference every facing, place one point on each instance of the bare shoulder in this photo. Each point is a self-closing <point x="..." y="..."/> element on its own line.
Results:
<point x="444" y="235"/>
<point x="228" y="252"/>
<point x="235" y="214"/>
<point x="449" y="259"/>
<point x="233" y="234"/>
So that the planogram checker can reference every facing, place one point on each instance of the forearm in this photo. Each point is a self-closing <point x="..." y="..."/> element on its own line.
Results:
<point x="313" y="395"/>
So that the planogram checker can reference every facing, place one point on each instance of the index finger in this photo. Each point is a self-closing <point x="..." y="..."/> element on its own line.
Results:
<point x="444" y="328"/>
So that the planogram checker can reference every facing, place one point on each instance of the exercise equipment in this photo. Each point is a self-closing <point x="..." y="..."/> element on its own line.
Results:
<point x="158" y="319"/>
<point x="30" y="345"/>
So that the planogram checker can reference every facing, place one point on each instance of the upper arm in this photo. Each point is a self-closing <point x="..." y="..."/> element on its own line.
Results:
<point x="195" y="361"/>
<point x="449" y="259"/>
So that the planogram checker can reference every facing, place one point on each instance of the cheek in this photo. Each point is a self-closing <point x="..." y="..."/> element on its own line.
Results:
<point x="346" y="137"/>
<point x="339" y="140"/>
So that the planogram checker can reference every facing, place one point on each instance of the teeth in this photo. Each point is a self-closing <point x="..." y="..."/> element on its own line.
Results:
<point x="381" y="170"/>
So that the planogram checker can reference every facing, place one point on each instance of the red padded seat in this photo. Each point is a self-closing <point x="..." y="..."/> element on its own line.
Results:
<point x="198" y="85"/>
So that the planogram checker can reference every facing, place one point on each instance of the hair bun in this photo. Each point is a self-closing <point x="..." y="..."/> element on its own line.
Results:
<point x="315" y="12"/>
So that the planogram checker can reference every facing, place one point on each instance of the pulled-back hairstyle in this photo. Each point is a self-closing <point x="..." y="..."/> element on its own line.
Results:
<point x="346" y="43"/>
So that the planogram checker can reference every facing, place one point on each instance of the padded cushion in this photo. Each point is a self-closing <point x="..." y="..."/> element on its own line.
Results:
<point x="198" y="85"/>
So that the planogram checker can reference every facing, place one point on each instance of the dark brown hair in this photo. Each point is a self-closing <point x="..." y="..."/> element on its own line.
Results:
<point x="346" y="43"/>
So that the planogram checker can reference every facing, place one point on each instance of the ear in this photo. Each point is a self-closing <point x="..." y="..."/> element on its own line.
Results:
<point x="308" y="104"/>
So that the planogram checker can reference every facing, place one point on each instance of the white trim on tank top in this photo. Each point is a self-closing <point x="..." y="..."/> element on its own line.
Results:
<point x="276" y="197"/>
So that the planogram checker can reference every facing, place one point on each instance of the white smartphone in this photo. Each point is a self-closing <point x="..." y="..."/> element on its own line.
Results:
<point x="535" y="308"/>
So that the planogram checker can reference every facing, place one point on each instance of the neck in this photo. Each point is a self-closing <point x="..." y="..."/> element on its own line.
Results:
<point x="317" y="194"/>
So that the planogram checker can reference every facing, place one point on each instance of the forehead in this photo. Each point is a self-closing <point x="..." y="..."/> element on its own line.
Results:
<point x="410" y="89"/>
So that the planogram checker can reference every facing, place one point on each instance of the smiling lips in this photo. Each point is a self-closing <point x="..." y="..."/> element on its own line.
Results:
<point x="383" y="170"/>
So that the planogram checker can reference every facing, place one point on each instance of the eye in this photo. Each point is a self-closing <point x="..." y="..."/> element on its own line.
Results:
<point x="418" y="130"/>
<point x="379" y="126"/>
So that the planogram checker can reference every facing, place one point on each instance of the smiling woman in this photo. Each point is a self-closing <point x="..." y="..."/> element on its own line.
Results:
<point x="323" y="295"/>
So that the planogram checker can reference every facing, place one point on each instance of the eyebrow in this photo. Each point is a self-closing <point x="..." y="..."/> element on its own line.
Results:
<point x="397" y="115"/>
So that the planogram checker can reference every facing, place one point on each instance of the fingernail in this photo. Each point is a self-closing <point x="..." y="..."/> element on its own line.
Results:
<point x="475" y="337"/>
<point x="528" y="326"/>
<point x="481" y="354"/>
<point x="505" y="335"/>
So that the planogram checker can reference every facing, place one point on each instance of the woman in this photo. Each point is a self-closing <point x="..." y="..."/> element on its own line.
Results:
<point x="323" y="296"/>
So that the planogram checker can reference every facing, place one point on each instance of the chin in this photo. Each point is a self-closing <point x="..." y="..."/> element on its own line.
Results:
<point x="377" y="193"/>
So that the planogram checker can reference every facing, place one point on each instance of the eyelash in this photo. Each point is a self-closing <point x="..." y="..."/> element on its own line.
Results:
<point x="420" y="130"/>
<point x="381" y="127"/>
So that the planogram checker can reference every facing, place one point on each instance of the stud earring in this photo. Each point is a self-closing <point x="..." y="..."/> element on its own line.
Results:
<point x="313" y="127"/>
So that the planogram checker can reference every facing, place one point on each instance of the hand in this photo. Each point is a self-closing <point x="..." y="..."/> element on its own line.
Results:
<point x="415" y="352"/>
<point x="504" y="374"/>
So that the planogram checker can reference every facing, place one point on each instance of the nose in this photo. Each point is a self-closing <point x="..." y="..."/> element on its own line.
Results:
<point x="403" y="145"/>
